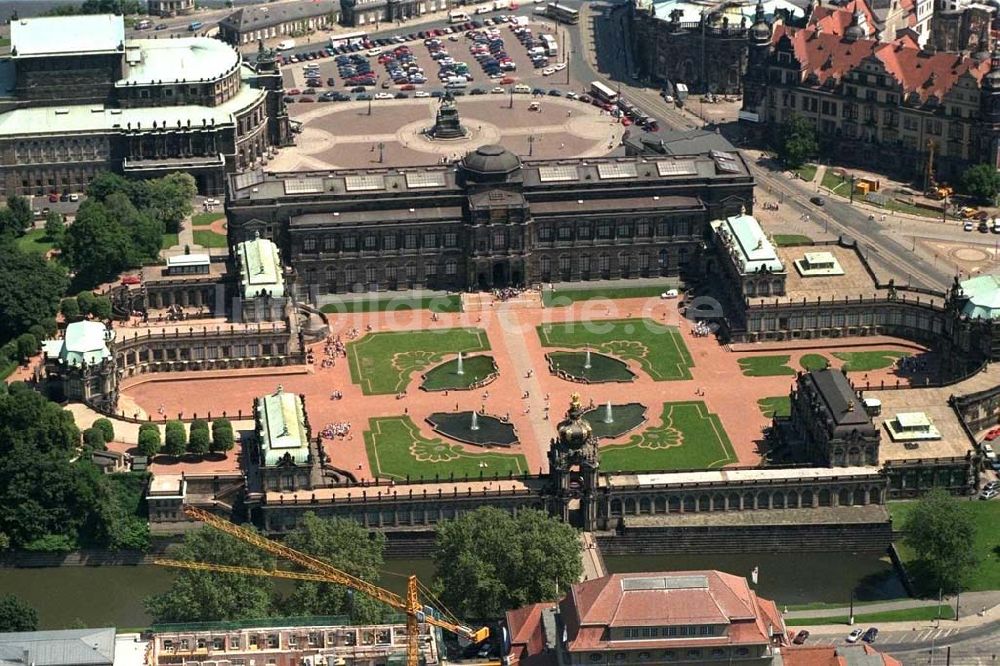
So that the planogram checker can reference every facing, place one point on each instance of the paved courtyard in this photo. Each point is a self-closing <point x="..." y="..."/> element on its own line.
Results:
<point x="345" y="135"/>
<point x="525" y="388"/>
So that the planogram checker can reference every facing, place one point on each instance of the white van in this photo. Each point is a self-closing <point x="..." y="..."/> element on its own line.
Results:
<point x="456" y="85"/>
<point x="522" y="89"/>
<point x="286" y="45"/>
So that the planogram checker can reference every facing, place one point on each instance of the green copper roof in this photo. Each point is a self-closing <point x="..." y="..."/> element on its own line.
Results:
<point x="984" y="297"/>
<point x="260" y="267"/>
<point x="84" y="342"/>
<point x="752" y="250"/>
<point x="281" y="426"/>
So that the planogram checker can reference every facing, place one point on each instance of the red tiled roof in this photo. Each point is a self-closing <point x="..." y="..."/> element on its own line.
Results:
<point x="602" y="603"/>
<point x="527" y="640"/>
<point x="830" y="56"/>
<point x="834" y="19"/>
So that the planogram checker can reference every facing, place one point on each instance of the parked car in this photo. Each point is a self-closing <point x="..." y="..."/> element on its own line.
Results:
<point x="988" y="494"/>
<point x="819" y="201"/>
<point x="871" y="635"/>
<point x="855" y="635"/>
<point x="801" y="637"/>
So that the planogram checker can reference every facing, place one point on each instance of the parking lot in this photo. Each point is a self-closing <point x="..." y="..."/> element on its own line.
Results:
<point x="433" y="62"/>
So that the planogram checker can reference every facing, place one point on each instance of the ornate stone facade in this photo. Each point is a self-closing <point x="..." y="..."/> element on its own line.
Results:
<point x="493" y="222"/>
<point x="830" y="421"/>
<point x="122" y="105"/>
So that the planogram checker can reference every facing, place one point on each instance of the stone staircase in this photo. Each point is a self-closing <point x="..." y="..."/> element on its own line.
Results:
<point x="485" y="301"/>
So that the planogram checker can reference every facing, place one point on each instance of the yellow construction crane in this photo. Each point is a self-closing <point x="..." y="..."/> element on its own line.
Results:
<point x="321" y="572"/>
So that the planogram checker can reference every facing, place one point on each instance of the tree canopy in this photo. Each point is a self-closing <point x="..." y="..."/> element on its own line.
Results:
<point x="96" y="247"/>
<point x="489" y="561"/>
<point x="174" y="439"/>
<point x="981" y="181"/>
<point x="31" y="293"/>
<point x="17" y="615"/>
<point x="201" y="596"/>
<point x="796" y="141"/>
<point x="149" y="439"/>
<point x="939" y="530"/>
<point x="348" y="546"/>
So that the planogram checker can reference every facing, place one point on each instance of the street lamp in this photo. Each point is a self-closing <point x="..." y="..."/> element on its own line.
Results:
<point x="531" y="144"/>
<point x="381" y="148"/>
<point x="510" y="90"/>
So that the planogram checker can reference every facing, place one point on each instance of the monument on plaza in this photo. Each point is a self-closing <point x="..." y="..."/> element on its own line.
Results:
<point x="447" y="124"/>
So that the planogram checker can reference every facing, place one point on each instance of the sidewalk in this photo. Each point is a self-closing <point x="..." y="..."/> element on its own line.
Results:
<point x="973" y="602"/>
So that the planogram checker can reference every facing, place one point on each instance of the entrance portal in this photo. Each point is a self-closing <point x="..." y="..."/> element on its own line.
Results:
<point x="501" y="275"/>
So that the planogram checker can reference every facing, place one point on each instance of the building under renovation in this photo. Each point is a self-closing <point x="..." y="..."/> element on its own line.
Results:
<point x="330" y="643"/>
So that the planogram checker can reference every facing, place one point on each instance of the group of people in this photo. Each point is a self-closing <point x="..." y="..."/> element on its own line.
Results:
<point x="342" y="429"/>
<point x="701" y="329"/>
<point x="911" y="364"/>
<point x="507" y="293"/>
<point x="336" y="395"/>
<point x="333" y="348"/>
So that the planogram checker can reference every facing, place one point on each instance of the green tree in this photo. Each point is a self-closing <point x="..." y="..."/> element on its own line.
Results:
<point x="31" y="293"/>
<point x="17" y="615"/>
<point x="199" y="441"/>
<point x="51" y="503"/>
<point x="169" y="198"/>
<point x="55" y="227"/>
<point x="223" y="439"/>
<point x="27" y="345"/>
<point x="201" y="596"/>
<point x="100" y="308"/>
<point x="797" y="141"/>
<point x="981" y="181"/>
<point x="20" y="211"/>
<point x="70" y="308"/>
<point x="95" y="246"/>
<point x="939" y="529"/>
<point x="26" y="417"/>
<point x="149" y="439"/>
<point x="349" y="547"/>
<point x="489" y="561"/>
<point x="93" y="439"/>
<point x="145" y="232"/>
<point x="105" y="184"/>
<point x="175" y="439"/>
<point x="106" y="427"/>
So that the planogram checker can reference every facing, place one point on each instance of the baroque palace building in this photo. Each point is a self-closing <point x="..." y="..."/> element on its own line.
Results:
<point x="891" y="105"/>
<point x="491" y="222"/>
<point x="77" y="98"/>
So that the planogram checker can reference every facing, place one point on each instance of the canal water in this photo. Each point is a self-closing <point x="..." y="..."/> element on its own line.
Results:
<point x="112" y="596"/>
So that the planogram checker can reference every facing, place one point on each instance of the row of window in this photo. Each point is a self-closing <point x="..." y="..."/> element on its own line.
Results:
<point x="389" y="241"/>
<point x="670" y="632"/>
<point x="211" y="352"/>
<point x="672" y="655"/>
<point x="626" y="229"/>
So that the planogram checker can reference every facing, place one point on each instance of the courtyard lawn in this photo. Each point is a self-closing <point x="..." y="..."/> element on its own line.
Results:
<point x="863" y="361"/>
<point x="690" y="437"/>
<point x="396" y="449"/>
<point x="785" y="240"/>
<point x="806" y="172"/>
<point x="658" y="349"/>
<point x="445" y="377"/>
<point x="777" y="405"/>
<point x="448" y="303"/>
<point x="556" y="298"/>
<point x="986" y="545"/>
<point x="812" y="362"/>
<point x="917" y="614"/>
<point x="206" y="219"/>
<point x="209" y="239"/>
<point x="838" y="185"/>
<point x="383" y="362"/>
<point x="765" y="366"/>
<point x="169" y="240"/>
<point x="35" y="241"/>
